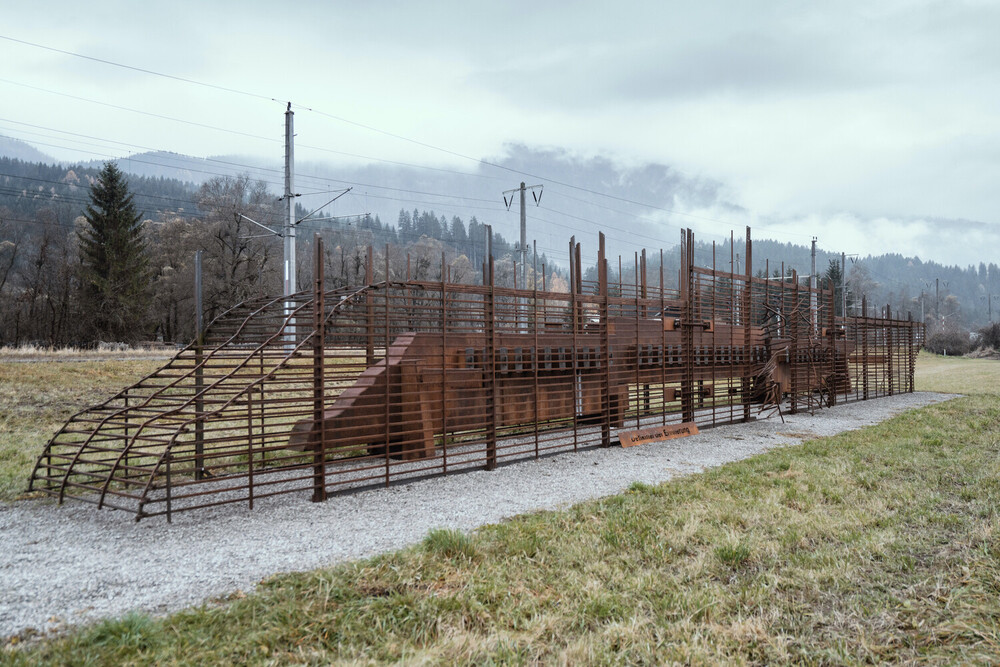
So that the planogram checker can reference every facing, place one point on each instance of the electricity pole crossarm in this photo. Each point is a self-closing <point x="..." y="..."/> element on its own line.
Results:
<point x="249" y="219"/>
<point x="333" y="218"/>
<point x="315" y="210"/>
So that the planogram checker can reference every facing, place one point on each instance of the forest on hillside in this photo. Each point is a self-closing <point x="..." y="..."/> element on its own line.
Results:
<point x="41" y="219"/>
<point x="42" y="273"/>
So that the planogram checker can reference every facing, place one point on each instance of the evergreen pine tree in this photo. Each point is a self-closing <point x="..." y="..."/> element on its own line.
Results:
<point x="114" y="259"/>
<point x="834" y="278"/>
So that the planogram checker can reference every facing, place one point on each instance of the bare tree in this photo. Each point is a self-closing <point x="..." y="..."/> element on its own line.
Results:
<point x="242" y="260"/>
<point x="175" y="239"/>
<point x="859" y="284"/>
<point x="40" y="289"/>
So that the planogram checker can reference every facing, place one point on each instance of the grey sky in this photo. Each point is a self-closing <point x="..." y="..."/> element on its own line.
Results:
<point x="859" y="118"/>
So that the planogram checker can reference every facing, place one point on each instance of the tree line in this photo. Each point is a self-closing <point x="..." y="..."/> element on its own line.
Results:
<point x="83" y="270"/>
<point x="54" y="291"/>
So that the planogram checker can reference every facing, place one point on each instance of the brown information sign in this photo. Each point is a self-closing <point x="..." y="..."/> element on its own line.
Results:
<point x="656" y="434"/>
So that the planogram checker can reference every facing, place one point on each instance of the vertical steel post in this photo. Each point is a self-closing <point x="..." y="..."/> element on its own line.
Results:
<point x="638" y="350"/>
<point x="370" y="313"/>
<point x="687" y="326"/>
<point x="713" y="349"/>
<point x="250" y="450"/>
<point x="319" y="374"/>
<point x="606" y="355"/>
<point x="199" y="371"/>
<point x="575" y="321"/>
<point x="489" y="360"/>
<point x="794" y="327"/>
<point x="524" y="241"/>
<point x="813" y="314"/>
<point x="580" y="324"/>
<point x="864" y="344"/>
<point x="389" y="371"/>
<point x="444" y="366"/>
<point x="890" y="336"/>
<point x="663" y="345"/>
<point x="534" y="347"/>
<point x="831" y="320"/>
<point x="843" y="284"/>
<point x="746" y="320"/>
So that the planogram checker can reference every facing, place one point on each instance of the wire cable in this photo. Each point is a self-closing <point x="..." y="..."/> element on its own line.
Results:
<point x="138" y="69"/>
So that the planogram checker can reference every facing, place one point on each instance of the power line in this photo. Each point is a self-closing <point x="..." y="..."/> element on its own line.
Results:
<point x="221" y="162"/>
<point x="626" y="239"/>
<point x="365" y="126"/>
<point x="401" y="164"/>
<point x="139" y="111"/>
<point x="493" y="209"/>
<point x="425" y="193"/>
<point x="138" y="69"/>
<point x="478" y="161"/>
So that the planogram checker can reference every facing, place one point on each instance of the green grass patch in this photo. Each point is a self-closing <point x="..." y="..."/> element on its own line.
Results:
<point x="734" y="553"/>
<point x="449" y="543"/>
<point x="876" y="545"/>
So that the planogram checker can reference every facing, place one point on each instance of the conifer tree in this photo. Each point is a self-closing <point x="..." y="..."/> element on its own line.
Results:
<point x="114" y="259"/>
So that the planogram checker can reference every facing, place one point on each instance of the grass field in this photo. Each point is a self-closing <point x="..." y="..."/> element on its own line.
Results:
<point x="38" y="396"/>
<point x="875" y="545"/>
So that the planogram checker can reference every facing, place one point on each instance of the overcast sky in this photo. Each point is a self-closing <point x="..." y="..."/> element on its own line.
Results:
<point x="860" y="122"/>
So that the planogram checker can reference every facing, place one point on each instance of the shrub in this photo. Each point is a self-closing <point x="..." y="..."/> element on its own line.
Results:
<point x="989" y="336"/>
<point x="952" y="342"/>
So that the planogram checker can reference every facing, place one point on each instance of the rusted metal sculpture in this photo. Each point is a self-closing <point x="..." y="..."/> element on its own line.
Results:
<point x="397" y="380"/>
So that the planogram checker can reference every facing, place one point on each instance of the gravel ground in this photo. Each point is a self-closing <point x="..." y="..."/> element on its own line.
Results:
<point x="61" y="566"/>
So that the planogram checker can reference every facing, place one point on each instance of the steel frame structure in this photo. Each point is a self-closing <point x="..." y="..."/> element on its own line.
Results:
<point x="344" y="389"/>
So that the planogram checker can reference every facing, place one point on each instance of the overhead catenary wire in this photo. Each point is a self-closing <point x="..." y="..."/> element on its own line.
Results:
<point x="481" y="162"/>
<point x="361" y="125"/>
<point x="368" y="127"/>
<point x="137" y="69"/>
<point x="556" y="252"/>
<point x="228" y="163"/>
<point x="627" y="238"/>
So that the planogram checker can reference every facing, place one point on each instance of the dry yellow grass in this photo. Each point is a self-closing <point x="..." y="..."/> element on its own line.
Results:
<point x="36" y="399"/>
<point x="957" y="375"/>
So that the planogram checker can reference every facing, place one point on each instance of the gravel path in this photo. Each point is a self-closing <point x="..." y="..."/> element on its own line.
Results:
<point x="62" y="566"/>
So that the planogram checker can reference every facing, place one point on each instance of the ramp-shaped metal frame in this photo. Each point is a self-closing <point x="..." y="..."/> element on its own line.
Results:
<point x="337" y="390"/>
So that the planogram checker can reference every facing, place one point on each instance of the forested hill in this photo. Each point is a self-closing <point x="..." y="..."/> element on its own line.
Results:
<point x="959" y="295"/>
<point x="39" y="200"/>
<point x="46" y="299"/>
<point x="28" y="187"/>
<point x="952" y="297"/>
<point x="20" y="150"/>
